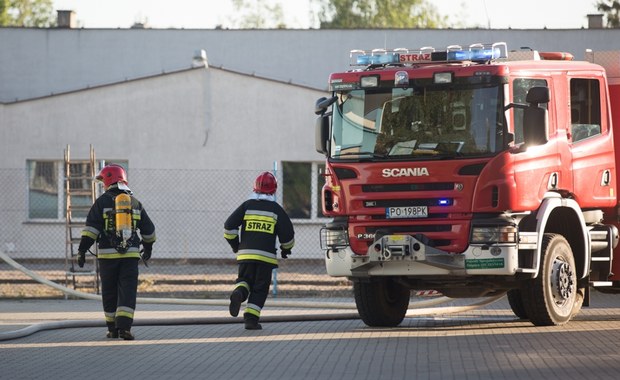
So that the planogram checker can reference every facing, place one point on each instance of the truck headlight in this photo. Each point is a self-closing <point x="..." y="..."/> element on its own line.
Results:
<point x="334" y="238"/>
<point x="493" y="234"/>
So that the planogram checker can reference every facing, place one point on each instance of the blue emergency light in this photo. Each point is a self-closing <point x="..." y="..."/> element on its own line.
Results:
<point x="444" y="202"/>
<point x="475" y="53"/>
<point x="376" y="57"/>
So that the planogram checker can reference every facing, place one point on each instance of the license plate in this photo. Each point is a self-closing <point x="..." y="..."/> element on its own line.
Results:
<point x="406" y="212"/>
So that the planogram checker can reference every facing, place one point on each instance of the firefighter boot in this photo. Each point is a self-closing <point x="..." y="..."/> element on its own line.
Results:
<point x="252" y="324"/>
<point x="112" y="334"/>
<point x="125" y="334"/>
<point x="236" y="298"/>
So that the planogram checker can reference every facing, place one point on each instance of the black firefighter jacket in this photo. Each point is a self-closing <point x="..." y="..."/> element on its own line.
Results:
<point x="259" y="222"/>
<point x="100" y="222"/>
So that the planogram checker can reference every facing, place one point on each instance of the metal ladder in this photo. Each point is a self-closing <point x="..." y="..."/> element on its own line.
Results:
<point x="80" y="192"/>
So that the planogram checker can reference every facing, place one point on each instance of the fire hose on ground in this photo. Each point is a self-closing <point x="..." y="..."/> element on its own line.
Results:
<point x="417" y="309"/>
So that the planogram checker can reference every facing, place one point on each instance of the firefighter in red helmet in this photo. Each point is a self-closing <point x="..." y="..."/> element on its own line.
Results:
<point x="259" y="221"/>
<point x="120" y="224"/>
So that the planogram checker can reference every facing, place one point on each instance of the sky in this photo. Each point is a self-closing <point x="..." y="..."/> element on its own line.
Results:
<point x="207" y="14"/>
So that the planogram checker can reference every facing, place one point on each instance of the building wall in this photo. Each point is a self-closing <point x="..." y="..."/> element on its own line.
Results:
<point x="194" y="140"/>
<point x="197" y="118"/>
<point x="38" y="62"/>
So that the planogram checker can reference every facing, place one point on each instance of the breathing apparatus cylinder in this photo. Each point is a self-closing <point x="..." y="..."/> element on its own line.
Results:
<point x="122" y="209"/>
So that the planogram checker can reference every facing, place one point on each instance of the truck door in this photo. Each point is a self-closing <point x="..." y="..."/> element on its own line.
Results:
<point x="537" y="169"/>
<point x="591" y="143"/>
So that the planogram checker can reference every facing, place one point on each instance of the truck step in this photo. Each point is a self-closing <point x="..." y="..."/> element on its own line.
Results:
<point x="526" y="270"/>
<point x="601" y="283"/>
<point x="601" y="259"/>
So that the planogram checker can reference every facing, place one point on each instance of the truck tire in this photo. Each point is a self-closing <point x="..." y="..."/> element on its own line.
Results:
<point x="554" y="296"/>
<point x="516" y="303"/>
<point x="382" y="302"/>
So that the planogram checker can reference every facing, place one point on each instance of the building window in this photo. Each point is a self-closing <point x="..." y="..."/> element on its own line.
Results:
<point x="46" y="188"/>
<point x="43" y="188"/>
<point x="301" y="190"/>
<point x="80" y="185"/>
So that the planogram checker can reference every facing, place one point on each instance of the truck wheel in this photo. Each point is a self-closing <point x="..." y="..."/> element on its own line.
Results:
<point x="381" y="302"/>
<point x="516" y="303"/>
<point x="554" y="296"/>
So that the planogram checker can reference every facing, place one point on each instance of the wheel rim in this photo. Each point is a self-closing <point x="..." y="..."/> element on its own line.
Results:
<point x="562" y="282"/>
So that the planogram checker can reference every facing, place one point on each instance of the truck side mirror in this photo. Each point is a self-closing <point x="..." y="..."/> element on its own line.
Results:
<point x="536" y="118"/>
<point x="322" y="104"/>
<point x="321" y="134"/>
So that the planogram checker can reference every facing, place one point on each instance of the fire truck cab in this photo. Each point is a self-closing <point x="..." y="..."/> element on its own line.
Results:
<point x="472" y="171"/>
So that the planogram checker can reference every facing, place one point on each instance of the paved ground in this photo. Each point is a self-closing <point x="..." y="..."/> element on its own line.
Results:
<point x="202" y="342"/>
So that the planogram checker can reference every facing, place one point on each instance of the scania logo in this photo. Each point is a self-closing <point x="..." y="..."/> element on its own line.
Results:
<point x="405" y="172"/>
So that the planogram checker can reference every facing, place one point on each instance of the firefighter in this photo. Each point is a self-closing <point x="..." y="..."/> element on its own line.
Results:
<point x="258" y="221"/>
<point x="114" y="221"/>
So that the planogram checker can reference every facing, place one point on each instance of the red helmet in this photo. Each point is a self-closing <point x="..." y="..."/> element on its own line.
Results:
<point x="112" y="174"/>
<point x="265" y="183"/>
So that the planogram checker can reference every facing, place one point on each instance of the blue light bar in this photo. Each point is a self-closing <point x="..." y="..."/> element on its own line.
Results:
<point x="454" y="53"/>
<point x="477" y="52"/>
<point x="376" y="57"/>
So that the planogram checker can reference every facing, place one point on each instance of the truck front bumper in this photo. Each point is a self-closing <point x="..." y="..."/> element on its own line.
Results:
<point x="404" y="255"/>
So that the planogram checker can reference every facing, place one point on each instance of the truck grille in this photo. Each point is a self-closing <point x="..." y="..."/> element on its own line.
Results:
<point x="434" y="186"/>
<point x="409" y="202"/>
<point x="410" y="230"/>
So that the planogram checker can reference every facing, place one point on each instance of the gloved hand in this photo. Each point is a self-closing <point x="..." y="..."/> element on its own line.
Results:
<point x="81" y="259"/>
<point x="147" y="250"/>
<point x="285" y="252"/>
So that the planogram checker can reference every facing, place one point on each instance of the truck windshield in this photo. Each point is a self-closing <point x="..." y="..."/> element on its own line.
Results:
<point x="423" y="122"/>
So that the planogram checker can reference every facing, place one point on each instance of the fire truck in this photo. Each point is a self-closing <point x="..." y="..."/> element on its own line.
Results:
<point x="474" y="171"/>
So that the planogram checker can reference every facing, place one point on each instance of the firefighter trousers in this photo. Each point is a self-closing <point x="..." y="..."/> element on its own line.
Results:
<point x="119" y="288"/>
<point x="254" y="281"/>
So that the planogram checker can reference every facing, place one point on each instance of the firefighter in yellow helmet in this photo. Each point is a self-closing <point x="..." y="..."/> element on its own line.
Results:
<point x="120" y="224"/>
<point x="259" y="221"/>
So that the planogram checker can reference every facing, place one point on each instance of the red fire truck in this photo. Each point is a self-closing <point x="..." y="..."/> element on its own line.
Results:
<point x="473" y="171"/>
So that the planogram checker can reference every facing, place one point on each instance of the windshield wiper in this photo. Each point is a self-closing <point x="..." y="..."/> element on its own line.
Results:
<point x="372" y="154"/>
<point x="448" y="154"/>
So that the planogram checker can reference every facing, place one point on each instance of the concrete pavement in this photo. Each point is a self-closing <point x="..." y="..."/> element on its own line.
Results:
<point x="486" y="343"/>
